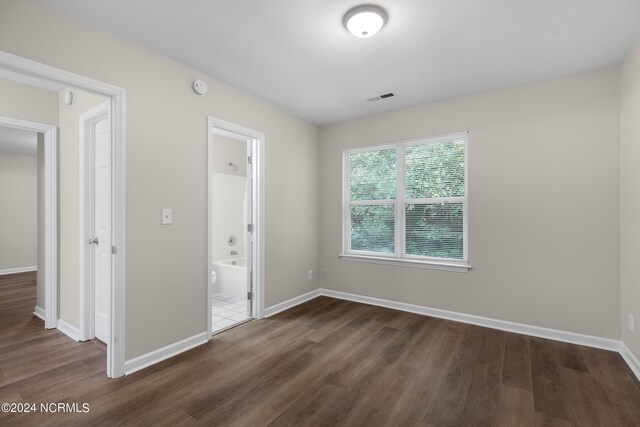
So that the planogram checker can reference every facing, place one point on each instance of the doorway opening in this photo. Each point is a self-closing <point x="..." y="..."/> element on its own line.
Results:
<point x="39" y="75"/>
<point x="47" y="239"/>
<point x="20" y="194"/>
<point x="234" y="258"/>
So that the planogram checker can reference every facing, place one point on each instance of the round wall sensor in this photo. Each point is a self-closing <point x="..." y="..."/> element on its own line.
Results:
<point x="68" y="98"/>
<point x="199" y="87"/>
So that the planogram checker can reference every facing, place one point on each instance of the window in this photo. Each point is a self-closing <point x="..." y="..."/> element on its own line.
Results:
<point x="407" y="202"/>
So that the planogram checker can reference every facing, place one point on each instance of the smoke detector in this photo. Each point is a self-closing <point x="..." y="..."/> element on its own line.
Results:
<point x="199" y="87"/>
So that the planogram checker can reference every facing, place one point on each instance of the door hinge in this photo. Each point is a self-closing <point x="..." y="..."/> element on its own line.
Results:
<point x="250" y="160"/>
<point x="250" y="296"/>
<point x="114" y="250"/>
<point x="250" y="228"/>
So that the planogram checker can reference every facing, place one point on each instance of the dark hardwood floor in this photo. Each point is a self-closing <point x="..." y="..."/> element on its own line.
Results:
<point x="324" y="363"/>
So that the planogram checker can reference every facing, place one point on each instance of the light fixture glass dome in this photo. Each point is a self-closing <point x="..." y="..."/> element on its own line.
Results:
<point x="365" y="21"/>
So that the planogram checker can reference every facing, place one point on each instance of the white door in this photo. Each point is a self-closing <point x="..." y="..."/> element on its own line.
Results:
<point x="102" y="228"/>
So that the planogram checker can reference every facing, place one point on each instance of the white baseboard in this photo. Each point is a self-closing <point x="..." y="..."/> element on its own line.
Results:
<point x="69" y="330"/>
<point x="170" y="350"/>
<point x="285" y="305"/>
<point x="39" y="312"/>
<point x="630" y="358"/>
<point x="503" y="325"/>
<point x="18" y="270"/>
<point x="155" y="356"/>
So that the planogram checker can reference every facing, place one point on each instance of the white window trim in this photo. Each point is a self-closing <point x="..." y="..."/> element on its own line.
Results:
<point x="401" y="257"/>
<point x="431" y="263"/>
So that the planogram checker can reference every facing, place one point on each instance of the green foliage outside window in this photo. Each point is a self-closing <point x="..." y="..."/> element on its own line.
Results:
<point x="434" y="170"/>
<point x="373" y="175"/>
<point x="373" y="228"/>
<point x="433" y="229"/>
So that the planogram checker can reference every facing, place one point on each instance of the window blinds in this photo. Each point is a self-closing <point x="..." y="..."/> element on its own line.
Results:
<point x="434" y="196"/>
<point x="421" y="215"/>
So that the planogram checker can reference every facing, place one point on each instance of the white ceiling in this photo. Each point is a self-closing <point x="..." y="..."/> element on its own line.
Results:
<point x="18" y="141"/>
<point x="297" y="55"/>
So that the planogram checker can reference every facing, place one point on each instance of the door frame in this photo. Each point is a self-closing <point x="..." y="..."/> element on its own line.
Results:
<point x="86" y="221"/>
<point x="50" y="232"/>
<point x="257" y="272"/>
<point x="41" y="75"/>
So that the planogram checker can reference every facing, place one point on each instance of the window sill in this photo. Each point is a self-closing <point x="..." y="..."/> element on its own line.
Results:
<point x="462" y="267"/>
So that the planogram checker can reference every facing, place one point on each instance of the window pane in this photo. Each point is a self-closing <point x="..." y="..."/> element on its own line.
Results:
<point x="373" y="228"/>
<point x="434" y="170"/>
<point x="434" y="230"/>
<point x="373" y="175"/>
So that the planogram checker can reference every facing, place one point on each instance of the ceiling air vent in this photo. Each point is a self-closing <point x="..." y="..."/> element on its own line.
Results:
<point x="383" y="96"/>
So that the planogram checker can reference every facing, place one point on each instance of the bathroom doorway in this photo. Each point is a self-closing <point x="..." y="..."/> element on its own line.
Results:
<point x="233" y="190"/>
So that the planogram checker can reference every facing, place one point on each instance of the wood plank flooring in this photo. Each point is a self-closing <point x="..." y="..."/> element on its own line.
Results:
<point x="323" y="363"/>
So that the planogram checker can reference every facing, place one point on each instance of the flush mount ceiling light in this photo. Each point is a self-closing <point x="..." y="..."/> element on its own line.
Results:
<point x="365" y="20"/>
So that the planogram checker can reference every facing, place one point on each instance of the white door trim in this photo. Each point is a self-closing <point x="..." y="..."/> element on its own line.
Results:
<point x="258" y="138"/>
<point x="50" y="213"/>
<point x="42" y="74"/>
<point x="86" y="153"/>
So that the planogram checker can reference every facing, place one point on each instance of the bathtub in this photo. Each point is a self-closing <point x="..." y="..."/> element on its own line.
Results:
<point x="231" y="277"/>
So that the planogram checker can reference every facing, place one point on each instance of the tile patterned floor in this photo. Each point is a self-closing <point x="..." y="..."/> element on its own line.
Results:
<point x="227" y="311"/>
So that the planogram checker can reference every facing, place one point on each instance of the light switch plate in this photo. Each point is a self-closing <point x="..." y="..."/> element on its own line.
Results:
<point x="167" y="216"/>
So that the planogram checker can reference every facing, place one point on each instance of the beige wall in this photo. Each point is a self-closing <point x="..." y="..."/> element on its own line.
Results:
<point x="630" y="197"/>
<point x="69" y="201"/>
<point x="166" y="166"/>
<point x="25" y="102"/>
<point x="18" y="210"/>
<point x="543" y="205"/>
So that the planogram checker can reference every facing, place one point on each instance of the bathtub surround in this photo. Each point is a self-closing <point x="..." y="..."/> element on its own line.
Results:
<point x="229" y="197"/>
<point x="228" y="150"/>
<point x="229" y="201"/>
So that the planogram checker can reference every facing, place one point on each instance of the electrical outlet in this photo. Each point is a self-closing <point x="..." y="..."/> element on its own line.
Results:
<point x="631" y="325"/>
<point x="310" y="274"/>
<point x="325" y="273"/>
